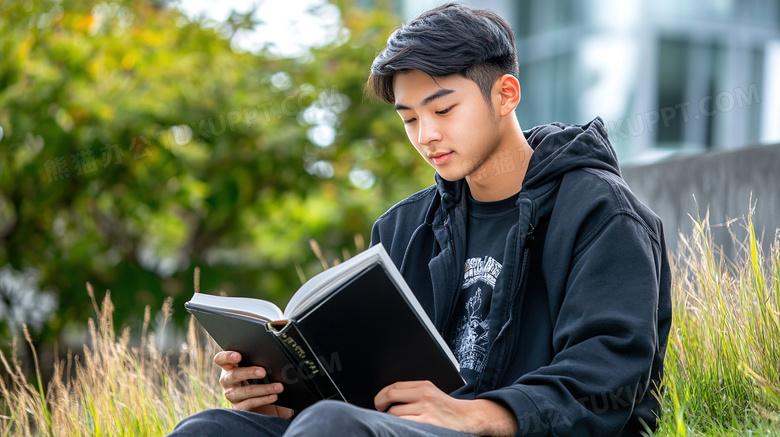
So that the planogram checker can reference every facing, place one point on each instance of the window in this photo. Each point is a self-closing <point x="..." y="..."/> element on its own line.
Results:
<point x="672" y="74"/>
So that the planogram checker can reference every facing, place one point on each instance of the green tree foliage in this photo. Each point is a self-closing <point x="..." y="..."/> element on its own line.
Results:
<point x="137" y="145"/>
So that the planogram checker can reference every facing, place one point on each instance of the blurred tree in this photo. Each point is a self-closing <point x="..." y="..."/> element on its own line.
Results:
<point x="136" y="144"/>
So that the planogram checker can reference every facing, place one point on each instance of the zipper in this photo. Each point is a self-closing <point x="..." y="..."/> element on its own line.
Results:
<point x="529" y="239"/>
<point x="458" y="282"/>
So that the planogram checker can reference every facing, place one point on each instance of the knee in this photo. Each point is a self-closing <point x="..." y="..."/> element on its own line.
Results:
<point x="207" y="422"/>
<point x="329" y="418"/>
<point x="217" y="422"/>
<point x="330" y="409"/>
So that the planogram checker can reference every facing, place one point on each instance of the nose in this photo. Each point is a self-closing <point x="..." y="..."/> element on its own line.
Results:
<point x="429" y="132"/>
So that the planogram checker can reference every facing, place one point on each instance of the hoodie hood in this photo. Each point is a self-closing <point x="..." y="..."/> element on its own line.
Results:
<point x="558" y="149"/>
<point x="561" y="148"/>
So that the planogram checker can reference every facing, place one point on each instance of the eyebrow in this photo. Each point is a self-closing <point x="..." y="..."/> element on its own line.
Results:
<point x="438" y="94"/>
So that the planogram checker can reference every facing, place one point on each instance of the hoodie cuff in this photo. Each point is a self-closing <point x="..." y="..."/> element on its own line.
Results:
<point x="530" y="421"/>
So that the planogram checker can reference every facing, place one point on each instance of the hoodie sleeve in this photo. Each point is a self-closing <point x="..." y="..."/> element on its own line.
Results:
<point x="604" y="337"/>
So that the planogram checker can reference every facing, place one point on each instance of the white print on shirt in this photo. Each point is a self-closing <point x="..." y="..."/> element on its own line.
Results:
<point x="471" y="337"/>
<point x="485" y="269"/>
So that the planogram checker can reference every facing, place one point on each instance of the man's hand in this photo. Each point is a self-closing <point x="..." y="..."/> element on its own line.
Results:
<point x="421" y="401"/>
<point x="258" y="398"/>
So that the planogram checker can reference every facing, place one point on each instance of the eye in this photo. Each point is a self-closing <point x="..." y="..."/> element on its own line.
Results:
<point x="442" y="112"/>
<point x="409" y="120"/>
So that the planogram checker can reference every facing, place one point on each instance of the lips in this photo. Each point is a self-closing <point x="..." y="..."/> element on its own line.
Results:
<point x="441" y="158"/>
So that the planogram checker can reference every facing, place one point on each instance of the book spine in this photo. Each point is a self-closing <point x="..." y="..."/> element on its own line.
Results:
<point x="309" y="367"/>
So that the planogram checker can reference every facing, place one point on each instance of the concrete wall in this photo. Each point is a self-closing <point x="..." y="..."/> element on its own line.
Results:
<point x="723" y="182"/>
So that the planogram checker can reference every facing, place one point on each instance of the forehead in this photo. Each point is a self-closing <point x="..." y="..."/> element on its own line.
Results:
<point x="412" y="87"/>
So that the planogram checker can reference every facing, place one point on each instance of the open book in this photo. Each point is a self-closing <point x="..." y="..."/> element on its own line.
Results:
<point x="346" y="334"/>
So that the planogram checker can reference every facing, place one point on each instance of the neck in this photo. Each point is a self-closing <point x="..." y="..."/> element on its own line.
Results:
<point x="501" y="175"/>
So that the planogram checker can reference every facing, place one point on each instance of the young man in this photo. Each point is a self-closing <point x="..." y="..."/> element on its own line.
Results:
<point x="531" y="255"/>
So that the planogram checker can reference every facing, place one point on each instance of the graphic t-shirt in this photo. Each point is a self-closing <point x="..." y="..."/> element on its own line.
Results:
<point x="487" y="228"/>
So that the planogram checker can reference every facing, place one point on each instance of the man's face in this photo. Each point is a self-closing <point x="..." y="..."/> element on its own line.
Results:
<point x="448" y="121"/>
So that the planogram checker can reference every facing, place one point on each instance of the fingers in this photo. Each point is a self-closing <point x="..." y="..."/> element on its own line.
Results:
<point x="404" y="392"/>
<point x="248" y="397"/>
<point x="239" y="376"/>
<point x="232" y="374"/>
<point x="235" y="382"/>
<point x="403" y="410"/>
<point x="227" y="359"/>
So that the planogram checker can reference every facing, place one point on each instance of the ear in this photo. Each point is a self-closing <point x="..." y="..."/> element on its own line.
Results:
<point x="508" y="89"/>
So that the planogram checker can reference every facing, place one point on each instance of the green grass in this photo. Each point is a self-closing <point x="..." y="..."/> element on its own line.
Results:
<point x="721" y="373"/>
<point x="723" y="358"/>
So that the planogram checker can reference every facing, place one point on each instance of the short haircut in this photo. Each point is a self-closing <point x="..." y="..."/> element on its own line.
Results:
<point x="450" y="39"/>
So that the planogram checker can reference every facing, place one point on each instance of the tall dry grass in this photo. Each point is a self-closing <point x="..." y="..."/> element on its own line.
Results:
<point x="113" y="388"/>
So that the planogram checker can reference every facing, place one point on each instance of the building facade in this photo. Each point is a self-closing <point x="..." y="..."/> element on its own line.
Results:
<point x="667" y="76"/>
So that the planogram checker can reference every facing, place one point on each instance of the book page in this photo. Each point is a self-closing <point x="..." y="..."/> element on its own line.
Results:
<point x="316" y="288"/>
<point x="244" y="306"/>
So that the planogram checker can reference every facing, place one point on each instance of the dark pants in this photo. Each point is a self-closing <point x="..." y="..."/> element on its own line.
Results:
<point x="325" y="418"/>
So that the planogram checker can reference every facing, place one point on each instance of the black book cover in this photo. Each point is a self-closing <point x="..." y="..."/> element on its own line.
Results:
<point x="371" y="337"/>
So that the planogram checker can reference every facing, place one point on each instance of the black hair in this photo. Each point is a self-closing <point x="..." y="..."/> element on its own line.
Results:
<point x="450" y="39"/>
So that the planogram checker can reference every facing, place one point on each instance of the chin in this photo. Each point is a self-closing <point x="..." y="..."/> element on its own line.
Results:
<point x="450" y="176"/>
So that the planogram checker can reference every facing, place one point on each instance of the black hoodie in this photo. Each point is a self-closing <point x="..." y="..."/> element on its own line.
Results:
<point x="582" y="309"/>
